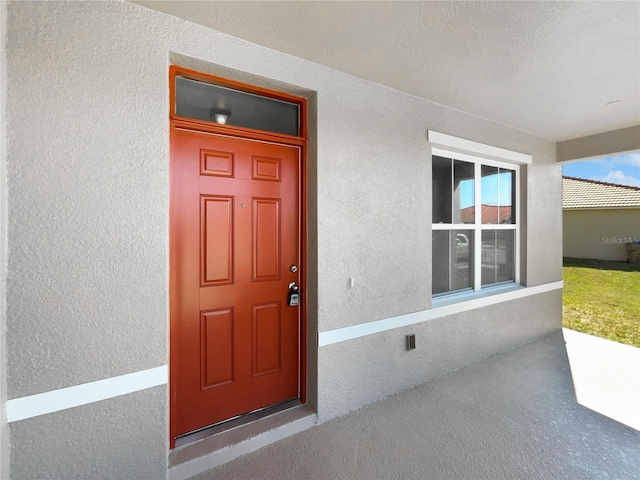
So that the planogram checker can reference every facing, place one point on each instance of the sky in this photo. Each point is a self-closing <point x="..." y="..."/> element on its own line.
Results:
<point x="623" y="169"/>
<point x="496" y="190"/>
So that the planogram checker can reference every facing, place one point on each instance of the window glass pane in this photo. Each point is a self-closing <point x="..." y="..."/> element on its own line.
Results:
<point x="202" y="101"/>
<point x="453" y="256"/>
<point x="463" y="192"/>
<point x="441" y="191"/>
<point x="505" y="257"/>
<point x="440" y="262"/>
<point x="452" y="260"/>
<point x="506" y="196"/>
<point x="498" y="195"/>
<point x="498" y="261"/>
<point x="461" y="259"/>
<point x="488" y="257"/>
<point x="489" y="189"/>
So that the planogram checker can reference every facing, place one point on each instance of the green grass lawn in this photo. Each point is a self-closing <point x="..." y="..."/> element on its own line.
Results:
<point x="602" y="298"/>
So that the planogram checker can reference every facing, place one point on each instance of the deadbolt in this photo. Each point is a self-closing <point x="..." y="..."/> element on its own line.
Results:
<point x="293" y="268"/>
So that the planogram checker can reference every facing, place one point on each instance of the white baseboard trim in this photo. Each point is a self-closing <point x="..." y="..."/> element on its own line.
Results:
<point x="64" y="398"/>
<point x="363" y="329"/>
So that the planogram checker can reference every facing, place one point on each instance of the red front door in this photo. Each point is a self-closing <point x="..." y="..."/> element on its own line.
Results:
<point x="235" y="236"/>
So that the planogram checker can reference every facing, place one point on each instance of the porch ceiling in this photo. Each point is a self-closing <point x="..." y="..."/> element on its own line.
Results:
<point x="547" y="68"/>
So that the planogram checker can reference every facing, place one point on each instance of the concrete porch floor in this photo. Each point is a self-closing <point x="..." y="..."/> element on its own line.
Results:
<point x="511" y="416"/>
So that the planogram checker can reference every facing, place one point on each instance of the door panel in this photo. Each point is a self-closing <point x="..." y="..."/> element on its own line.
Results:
<point x="216" y="229"/>
<point x="265" y="248"/>
<point x="216" y="349"/>
<point x="235" y="232"/>
<point x="217" y="164"/>
<point x="265" y="338"/>
<point x="266" y="168"/>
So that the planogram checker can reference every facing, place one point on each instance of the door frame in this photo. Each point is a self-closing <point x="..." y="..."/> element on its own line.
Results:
<point x="250" y="134"/>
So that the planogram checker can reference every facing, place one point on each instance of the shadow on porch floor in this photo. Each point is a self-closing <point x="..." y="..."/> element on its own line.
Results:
<point x="514" y="415"/>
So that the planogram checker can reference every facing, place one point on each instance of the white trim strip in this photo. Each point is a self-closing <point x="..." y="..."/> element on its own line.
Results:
<point x="64" y="398"/>
<point x="56" y="400"/>
<point x="463" y="145"/>
<point x="478" y="301"/>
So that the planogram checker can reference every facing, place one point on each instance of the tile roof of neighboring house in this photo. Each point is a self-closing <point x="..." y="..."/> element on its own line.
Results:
<point x="580" y="193"/>
<point x="489" y="214"/>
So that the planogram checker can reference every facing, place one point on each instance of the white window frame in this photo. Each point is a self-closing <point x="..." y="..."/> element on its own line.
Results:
<point x="479" y="154"/>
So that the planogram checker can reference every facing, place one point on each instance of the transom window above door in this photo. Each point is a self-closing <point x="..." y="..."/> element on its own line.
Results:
<point x="199" y="100"/>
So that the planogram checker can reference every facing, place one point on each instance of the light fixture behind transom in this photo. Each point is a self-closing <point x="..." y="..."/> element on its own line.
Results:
<point x="220" y="117"/>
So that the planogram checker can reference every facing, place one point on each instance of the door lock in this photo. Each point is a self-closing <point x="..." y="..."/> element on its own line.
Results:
<point x="294" y="295"/>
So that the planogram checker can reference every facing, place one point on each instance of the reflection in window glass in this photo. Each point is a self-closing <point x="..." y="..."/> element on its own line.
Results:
<point x="489" y="189"/>
<point x="453" y="191"/>
<point x="463" y="198"/>
<point x="498" y="262"/>
<point x="441" y="191"/>
<point x="440" y="262"/>
<point x="506" y="185"/>
<point x="459" y="223"/>
<point x="498" y="200"/>
<point x="452" y="261"/>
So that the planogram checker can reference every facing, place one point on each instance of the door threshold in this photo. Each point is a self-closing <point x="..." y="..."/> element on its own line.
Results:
<point x="235" y="422"/>
<point x="213" y="446"/>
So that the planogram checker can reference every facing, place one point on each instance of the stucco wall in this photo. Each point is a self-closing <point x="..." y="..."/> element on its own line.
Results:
<point x="4" y="428"/>
<point x="110" y="439"/>
<point x="366" y="369"/>
<point x="599" y="234"/>
<point x="615" y="142"/>
<point x="88" y="154"/>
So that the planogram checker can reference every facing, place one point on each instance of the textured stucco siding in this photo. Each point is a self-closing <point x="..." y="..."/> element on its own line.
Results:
<point x="4" y="428"/>
<point x="87" y="161"/>
<point x="599" y="234"/>
<point x="611" y="143"/>
<point x="543" y="224"/>
<point x="360" y="371"/>
<point x="87" y="168"/>
<point x="112" y="439"/>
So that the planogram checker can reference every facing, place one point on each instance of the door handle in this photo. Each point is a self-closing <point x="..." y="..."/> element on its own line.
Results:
<point x="294" y="295"/>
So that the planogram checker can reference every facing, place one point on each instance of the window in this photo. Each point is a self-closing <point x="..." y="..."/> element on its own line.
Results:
<point x="475" y="224"/>
<point x="215" y="103"/>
